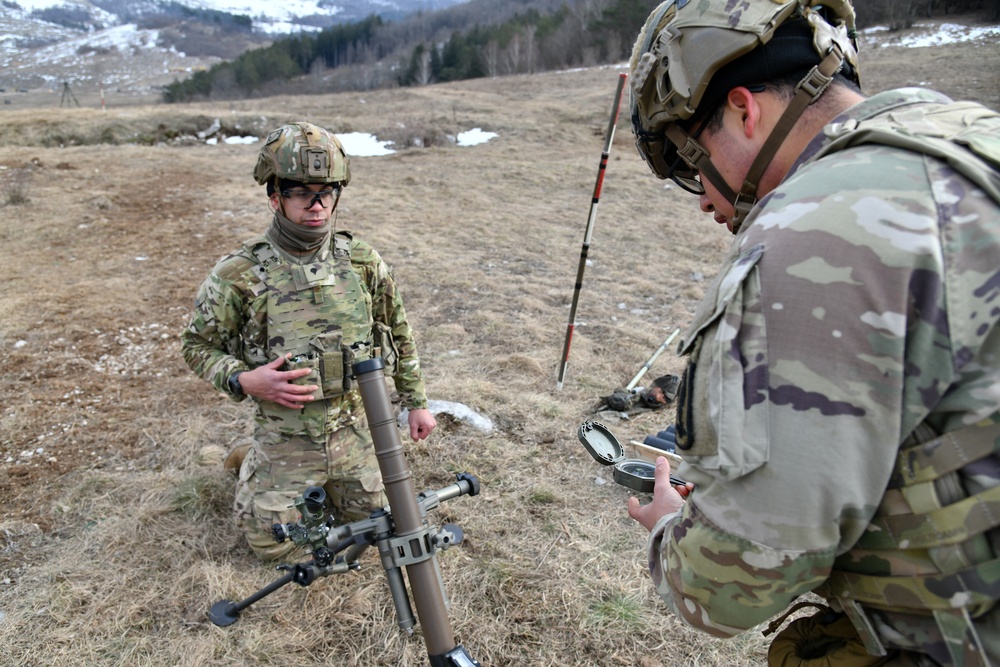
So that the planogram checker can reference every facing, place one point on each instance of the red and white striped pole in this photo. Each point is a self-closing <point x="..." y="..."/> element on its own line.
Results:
<point x="608" y="138"/>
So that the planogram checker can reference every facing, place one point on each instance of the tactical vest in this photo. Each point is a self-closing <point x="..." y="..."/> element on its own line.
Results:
<point x="321" y="314"/>
<point x="927" y="518"/>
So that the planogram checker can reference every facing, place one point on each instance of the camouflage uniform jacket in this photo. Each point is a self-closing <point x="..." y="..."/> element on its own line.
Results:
<point x="228" y="331"/>
<point x="858" y="301"/>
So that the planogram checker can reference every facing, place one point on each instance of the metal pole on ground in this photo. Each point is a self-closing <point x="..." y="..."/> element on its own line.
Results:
<point x="646" y="366"/>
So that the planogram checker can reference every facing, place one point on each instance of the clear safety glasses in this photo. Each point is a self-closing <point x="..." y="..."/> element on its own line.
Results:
<point x="308" y="198"/>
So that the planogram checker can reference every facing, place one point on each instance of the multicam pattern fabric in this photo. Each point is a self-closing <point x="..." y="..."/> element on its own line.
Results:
<point x="315" y="311"/>
<point x="859" y="301"/>
<point x="281" y="466"/>
<point x="304" y="153"/>
<point x="326" y="442"/>
<point x="229" y="329"/>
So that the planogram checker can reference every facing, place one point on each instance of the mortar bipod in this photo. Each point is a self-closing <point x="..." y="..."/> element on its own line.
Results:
<point x="328" y="542"/>
<point x="400" y="532"/>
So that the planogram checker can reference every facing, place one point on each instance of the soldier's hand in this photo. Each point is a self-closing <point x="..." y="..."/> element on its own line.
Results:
<point x="421" y="422"/>
<point x="667" y="498"/>
<point x="268" y="383"/>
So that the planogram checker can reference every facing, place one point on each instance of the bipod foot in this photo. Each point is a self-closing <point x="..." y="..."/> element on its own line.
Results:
<point x="457" y="657"/>
<point x="226" y="612"/>
<point x="223" y="613"/>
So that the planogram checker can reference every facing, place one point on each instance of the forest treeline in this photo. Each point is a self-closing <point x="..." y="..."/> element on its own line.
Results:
<point x="481" y="38"/>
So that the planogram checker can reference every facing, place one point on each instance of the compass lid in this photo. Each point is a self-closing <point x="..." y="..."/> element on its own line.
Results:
<point x="600" y="442"/>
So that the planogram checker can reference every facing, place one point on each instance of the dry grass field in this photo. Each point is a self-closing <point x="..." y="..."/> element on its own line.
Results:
<point x="115" y="536"/>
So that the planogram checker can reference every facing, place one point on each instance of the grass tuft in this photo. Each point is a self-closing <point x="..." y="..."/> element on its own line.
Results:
<point x="15" y="188"/>
<point x="202" y="495"/>
<point x="619" y="609"/>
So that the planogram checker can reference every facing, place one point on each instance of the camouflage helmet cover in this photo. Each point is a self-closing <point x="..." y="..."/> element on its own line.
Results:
<point x="684" y="44"/>
<point x="304" y="153"/>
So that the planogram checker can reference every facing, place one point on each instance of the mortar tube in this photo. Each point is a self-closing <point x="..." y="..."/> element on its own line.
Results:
<point x="424" y="576"/>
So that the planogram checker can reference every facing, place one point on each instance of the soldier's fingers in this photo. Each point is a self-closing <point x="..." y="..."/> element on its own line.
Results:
<point x="297" y="388"/>
<point x="662" y="472"/>
<point x="293" y="400"/>
<point x="633" y="508"/>
<point x="295" y="374"/>
<point x="279" y="362"/>
<point x="299" y="396"/>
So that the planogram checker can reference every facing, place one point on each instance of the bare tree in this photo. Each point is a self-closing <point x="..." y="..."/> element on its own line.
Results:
<point x="563" y="47"/>
<point x="512" y="55"/>
<point x="491" y="56"/>
<point x="424" y="73"/>
<point x="224" y="85"/>
<point x="901" y="14"/>
<point x="317" y="69"/>
<point x="530" y="47"/>
<point x="614" y="47"/>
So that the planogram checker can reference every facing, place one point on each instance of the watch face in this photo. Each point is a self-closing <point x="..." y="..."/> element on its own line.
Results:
<point x="234" y="384"/>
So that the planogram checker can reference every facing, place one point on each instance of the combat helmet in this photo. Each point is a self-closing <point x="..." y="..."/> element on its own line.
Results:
<point x="304" y="153"/>
<point x="690" y="54"/>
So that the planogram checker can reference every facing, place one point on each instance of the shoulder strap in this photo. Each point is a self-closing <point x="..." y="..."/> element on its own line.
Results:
<point x="342" y="244"/>
<point x="966" y="135"/>
<point x="267" y="258"/>
<point x="262" y="251"/>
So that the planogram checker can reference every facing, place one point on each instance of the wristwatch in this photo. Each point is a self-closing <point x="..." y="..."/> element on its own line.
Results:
<point x="234" y="383"/>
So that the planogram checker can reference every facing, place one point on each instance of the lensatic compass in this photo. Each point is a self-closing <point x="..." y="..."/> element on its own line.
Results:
<point x="636" y="474"/>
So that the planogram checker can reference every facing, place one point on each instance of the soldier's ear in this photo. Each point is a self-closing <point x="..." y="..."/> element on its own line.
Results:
<point x="744" y="105"/>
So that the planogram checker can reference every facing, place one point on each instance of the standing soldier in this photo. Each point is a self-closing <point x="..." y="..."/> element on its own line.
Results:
<point x="840" y="411"/>
<point x="281" y="320"/>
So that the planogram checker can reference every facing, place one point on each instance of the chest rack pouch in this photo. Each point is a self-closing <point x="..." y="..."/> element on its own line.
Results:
<point x="327" y="358"/>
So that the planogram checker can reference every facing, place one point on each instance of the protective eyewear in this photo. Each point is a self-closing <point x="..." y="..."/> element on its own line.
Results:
<point x="308" y="198"/>
<point x="686" y="176"/>
<point x="684" y="169"/>
<point x="666" y="161"/>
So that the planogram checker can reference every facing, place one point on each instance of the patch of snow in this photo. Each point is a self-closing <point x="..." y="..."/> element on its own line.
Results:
<point x="459" y="411"/>
<point x="946" y="33"/>
<point x="475" y="137"/>
<point x="360" y="144"/>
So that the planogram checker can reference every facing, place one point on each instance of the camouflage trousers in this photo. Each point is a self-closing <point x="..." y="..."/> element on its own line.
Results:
<point x="279" y="467"/>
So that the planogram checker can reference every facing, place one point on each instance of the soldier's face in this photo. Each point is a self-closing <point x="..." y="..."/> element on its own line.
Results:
<point x="748" y="119"/>
<point x="724" y="159"/>
<point x="297" y="209"/>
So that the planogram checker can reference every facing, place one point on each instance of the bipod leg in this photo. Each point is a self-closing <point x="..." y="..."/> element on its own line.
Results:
<point x="353" y="554"/>
<point x="400" y="600"/>
<point x="227" y="612"/>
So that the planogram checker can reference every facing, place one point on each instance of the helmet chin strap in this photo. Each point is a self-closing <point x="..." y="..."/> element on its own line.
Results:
<point x="807" y="91"/>
<point x="281" y="201"/>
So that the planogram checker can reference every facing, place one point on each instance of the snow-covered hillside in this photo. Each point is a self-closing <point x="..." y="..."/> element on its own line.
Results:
<point x="139" y="44"/>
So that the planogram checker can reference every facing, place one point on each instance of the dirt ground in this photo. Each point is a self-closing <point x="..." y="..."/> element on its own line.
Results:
<point x="115" y="537"/>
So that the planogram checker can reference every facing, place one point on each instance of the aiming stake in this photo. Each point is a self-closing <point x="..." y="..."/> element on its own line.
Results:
<point x="608" y="138"/>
